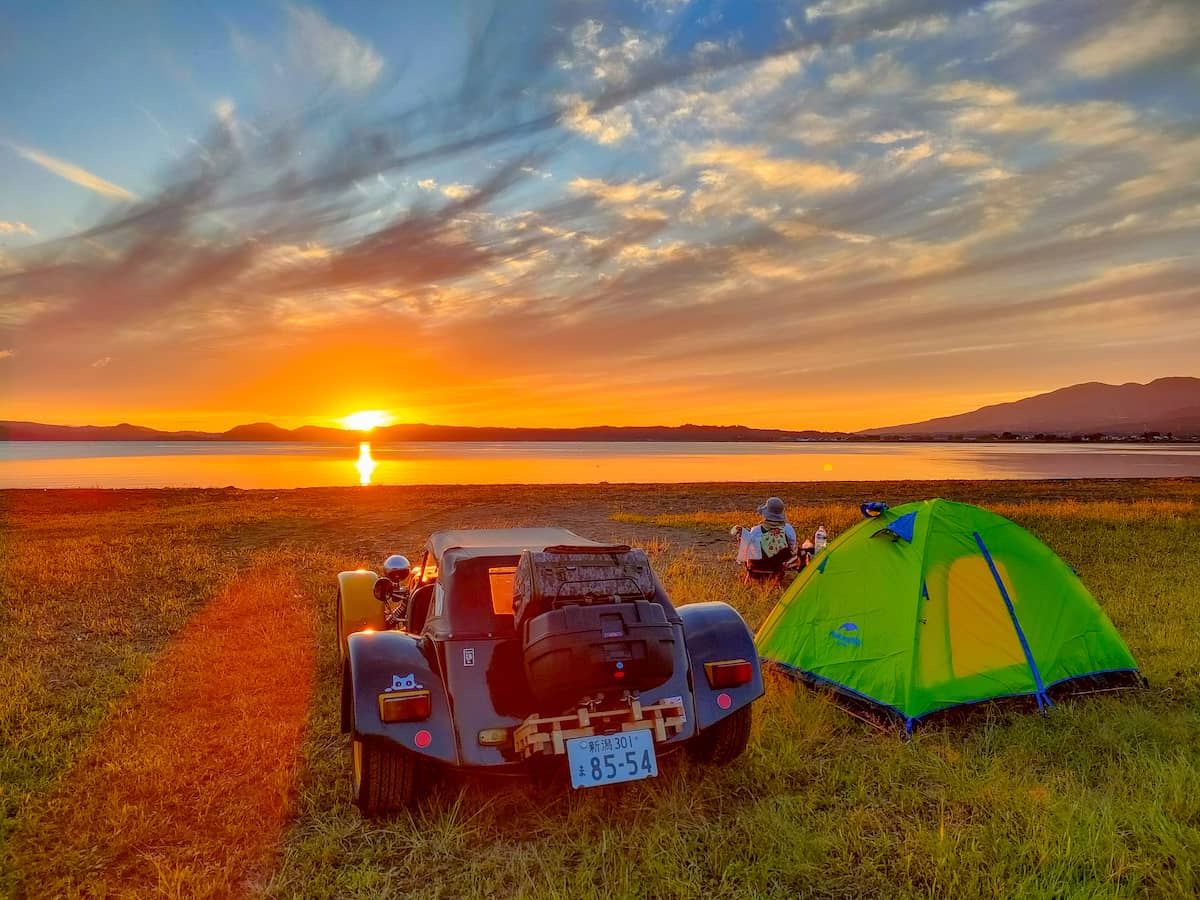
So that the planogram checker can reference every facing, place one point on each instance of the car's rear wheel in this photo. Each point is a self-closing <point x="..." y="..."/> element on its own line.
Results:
<point x="383" y="778"/>
<point x="725" y="740"/>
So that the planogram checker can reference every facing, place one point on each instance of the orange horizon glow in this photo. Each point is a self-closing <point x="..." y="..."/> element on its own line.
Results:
<point x="843" y="411"/>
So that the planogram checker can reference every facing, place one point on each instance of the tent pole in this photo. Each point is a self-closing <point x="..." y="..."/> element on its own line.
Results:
<point x="1043" y="699"/>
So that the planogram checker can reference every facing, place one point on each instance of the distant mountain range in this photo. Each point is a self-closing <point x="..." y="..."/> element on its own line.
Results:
<point x="1166" y="406"/>
<point x="264" y="431"/>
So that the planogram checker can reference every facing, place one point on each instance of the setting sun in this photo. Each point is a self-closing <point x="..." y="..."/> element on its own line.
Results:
<point x="366" y="420"/>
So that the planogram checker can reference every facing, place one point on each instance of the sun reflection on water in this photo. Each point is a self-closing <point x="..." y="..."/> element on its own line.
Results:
<point x="365" y="464"/>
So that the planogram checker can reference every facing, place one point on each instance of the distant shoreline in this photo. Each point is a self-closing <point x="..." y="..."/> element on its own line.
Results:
<point x="854" y="439"/>
<point x="287" y="465"/>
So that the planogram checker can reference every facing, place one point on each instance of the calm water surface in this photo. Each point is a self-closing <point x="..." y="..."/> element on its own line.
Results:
<point x="253" y="465"/>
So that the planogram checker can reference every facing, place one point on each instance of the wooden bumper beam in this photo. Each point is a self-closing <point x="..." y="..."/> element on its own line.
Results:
<point x="547" y="735"/>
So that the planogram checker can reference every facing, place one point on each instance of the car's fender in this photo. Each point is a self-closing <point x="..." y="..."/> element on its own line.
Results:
<point x="383" y="659"/>
<point x="357" y="607"/>
<point x="715" y="632"/>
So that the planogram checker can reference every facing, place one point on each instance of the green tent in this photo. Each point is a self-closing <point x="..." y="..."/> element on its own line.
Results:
<point x="935" y="604"/>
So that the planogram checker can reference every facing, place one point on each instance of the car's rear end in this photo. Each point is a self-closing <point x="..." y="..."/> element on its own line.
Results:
<point x="609" y="665"/>
<point x="567" y="657"/>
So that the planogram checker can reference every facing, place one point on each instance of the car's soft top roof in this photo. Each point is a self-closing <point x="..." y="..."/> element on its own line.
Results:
<point x="472" y="542"/>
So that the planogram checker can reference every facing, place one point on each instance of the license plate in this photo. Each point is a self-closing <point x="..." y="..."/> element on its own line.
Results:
<point x="611" y="758"/>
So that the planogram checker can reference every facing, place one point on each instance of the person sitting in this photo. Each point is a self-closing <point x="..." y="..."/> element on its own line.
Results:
<point x="770" y="546"/>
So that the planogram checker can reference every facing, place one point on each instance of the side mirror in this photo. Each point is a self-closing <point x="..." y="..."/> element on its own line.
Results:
<point x="384" y="588"/>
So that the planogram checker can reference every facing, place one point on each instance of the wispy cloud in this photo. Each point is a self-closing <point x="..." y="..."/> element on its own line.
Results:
<point x="895" y="137"/>
<point x="331" y="51"/>
<point x="16" y="228"/>
<point x="5" y="354"/>
<point x="1143" y="36"/>
<point x="73" y="173"/>
<point x="608" y="127"/>
<point x="628" y="192"/>
<point x="964" y="158"/>
<point x="756" y="164"/>
<point x="455" y="190"/>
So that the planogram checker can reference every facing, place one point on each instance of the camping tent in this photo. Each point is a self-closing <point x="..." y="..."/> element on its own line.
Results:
<point x="935" y="604"/>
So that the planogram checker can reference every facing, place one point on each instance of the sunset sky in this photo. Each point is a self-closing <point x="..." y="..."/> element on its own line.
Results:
<point x="782" y="214"/>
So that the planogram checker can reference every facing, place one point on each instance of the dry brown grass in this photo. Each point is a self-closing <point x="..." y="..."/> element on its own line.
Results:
<point x="1109" y="511"/>
<point x="187" y="787"/>
<point x="806" y="514"/>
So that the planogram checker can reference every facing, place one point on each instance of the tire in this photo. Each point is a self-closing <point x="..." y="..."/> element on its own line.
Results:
<point x="383" y="779"/>
<point x="723" y="741"/>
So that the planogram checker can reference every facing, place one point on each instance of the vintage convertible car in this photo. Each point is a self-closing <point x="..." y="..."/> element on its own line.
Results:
<point x="531" y="649"/>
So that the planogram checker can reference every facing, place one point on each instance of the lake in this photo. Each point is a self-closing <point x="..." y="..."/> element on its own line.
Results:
<point x="112" y="464"/>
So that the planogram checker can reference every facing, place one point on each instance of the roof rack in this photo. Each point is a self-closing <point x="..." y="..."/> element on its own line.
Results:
<point x="595" y="548"/>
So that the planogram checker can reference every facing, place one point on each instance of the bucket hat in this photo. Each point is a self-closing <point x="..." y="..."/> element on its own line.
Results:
<point x="772" y="511"/>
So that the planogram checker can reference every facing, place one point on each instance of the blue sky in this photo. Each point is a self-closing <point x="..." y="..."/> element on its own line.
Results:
<point x="795" y="214"/>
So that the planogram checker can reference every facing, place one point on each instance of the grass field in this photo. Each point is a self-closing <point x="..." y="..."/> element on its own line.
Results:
<point x="168" y="715"/>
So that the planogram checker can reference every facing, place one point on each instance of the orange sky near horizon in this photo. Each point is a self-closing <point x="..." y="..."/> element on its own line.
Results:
<point x="445" y="376"/>
<point x="847" y="413"/>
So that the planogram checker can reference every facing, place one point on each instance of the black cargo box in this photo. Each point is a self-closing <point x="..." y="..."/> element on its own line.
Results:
<point x="582" y="650"/>
<point x="589" y="623"/>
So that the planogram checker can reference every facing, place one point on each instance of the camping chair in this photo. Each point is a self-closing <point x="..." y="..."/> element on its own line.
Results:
<point x="756" y="567"/>
<point x="772" y="567"/>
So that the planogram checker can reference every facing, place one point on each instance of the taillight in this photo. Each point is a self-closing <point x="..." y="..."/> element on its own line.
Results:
<point x="729" y="673"/>
<point x="405" y="706"/>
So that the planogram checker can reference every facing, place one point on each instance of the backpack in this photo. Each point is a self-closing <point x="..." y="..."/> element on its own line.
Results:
<point x="774" y="541"/>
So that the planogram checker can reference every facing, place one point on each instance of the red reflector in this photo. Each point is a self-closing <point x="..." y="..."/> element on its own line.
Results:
<point x="422" y="738"/>
<point x="729" y="673"/>
<point x="724" y="701"/>
<point x="404" y="706"/>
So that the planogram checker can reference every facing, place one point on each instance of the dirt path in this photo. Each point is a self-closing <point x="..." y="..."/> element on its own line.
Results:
<point x="189" y="783"/>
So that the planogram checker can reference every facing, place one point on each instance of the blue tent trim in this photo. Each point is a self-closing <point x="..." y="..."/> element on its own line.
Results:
<point x="911" y="721"/>
<point x="901" y="528"/>
<point x="795" y="671"/>
<point x="1126" y="670"/>
<point x="1023" y="693"/>
<point x="1042" y="699"/>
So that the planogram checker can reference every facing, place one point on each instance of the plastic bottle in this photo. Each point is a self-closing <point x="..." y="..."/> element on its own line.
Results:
<point x="819" y="539"/>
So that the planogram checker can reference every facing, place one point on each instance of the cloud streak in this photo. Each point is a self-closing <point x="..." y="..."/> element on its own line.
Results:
<point x="332" y="52"/>
<point x="73" y="173"/>
<point x="1146" y="34"/>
